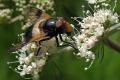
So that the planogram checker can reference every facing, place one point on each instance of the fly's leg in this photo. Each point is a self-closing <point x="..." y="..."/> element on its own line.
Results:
<point x="38" y="50"/>
<point x="57" y="41"/>
<point x="68" y="43"/>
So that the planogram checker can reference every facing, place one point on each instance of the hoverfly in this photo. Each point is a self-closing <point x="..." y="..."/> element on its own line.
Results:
<point x="45" y="27"/>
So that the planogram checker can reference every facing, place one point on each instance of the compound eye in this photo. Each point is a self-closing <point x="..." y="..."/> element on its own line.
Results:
<point x="58" y="23"/>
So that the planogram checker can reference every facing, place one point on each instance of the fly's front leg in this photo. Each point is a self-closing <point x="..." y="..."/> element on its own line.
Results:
<point x="61" y="37"/>
<point x="39" y="47"/>
<point x="67" y="43"/>
<point x="57" y="41"/>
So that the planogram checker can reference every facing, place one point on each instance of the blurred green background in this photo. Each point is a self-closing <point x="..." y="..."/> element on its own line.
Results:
<point x="67" y="66"/>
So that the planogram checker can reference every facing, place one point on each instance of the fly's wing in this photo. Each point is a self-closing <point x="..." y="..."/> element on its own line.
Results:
<point x="16" y="47"/>
<point x="34" y="32"/>
<point x="37" y="17"/>
<point x="33" y="14"/>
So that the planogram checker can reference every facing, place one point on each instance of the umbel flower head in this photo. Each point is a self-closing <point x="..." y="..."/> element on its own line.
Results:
<point x="45" y="5"/>
<point x="5" y="14"/>
<point x="31" y="62"/>
<point x="103" y="15"/>
<point x="95" y="1"/>
<point x="92" y="29"/>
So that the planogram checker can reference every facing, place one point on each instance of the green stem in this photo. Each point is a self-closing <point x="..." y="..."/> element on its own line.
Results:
<point x="109" y="41"/>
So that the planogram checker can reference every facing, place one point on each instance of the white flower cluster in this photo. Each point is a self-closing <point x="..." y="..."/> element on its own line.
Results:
<point x="45" y="5"/>
<point x="20" y="4"/>
<point x="23" y="7"/>
<point x="103" y="15"/>
<point x="31" y="63"/>
<point x="28" y="62"/>
<point x="89" y="34"/>
<point x="5" y="13"/>
<point x="95" y="1"/>
<point x="92" y="28"/>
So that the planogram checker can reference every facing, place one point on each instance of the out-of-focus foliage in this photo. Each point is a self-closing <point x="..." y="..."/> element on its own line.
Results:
<point x="62" y="66"/>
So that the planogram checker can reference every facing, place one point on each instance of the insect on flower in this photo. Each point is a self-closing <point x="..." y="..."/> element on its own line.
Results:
<point x="45" y="27"/>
